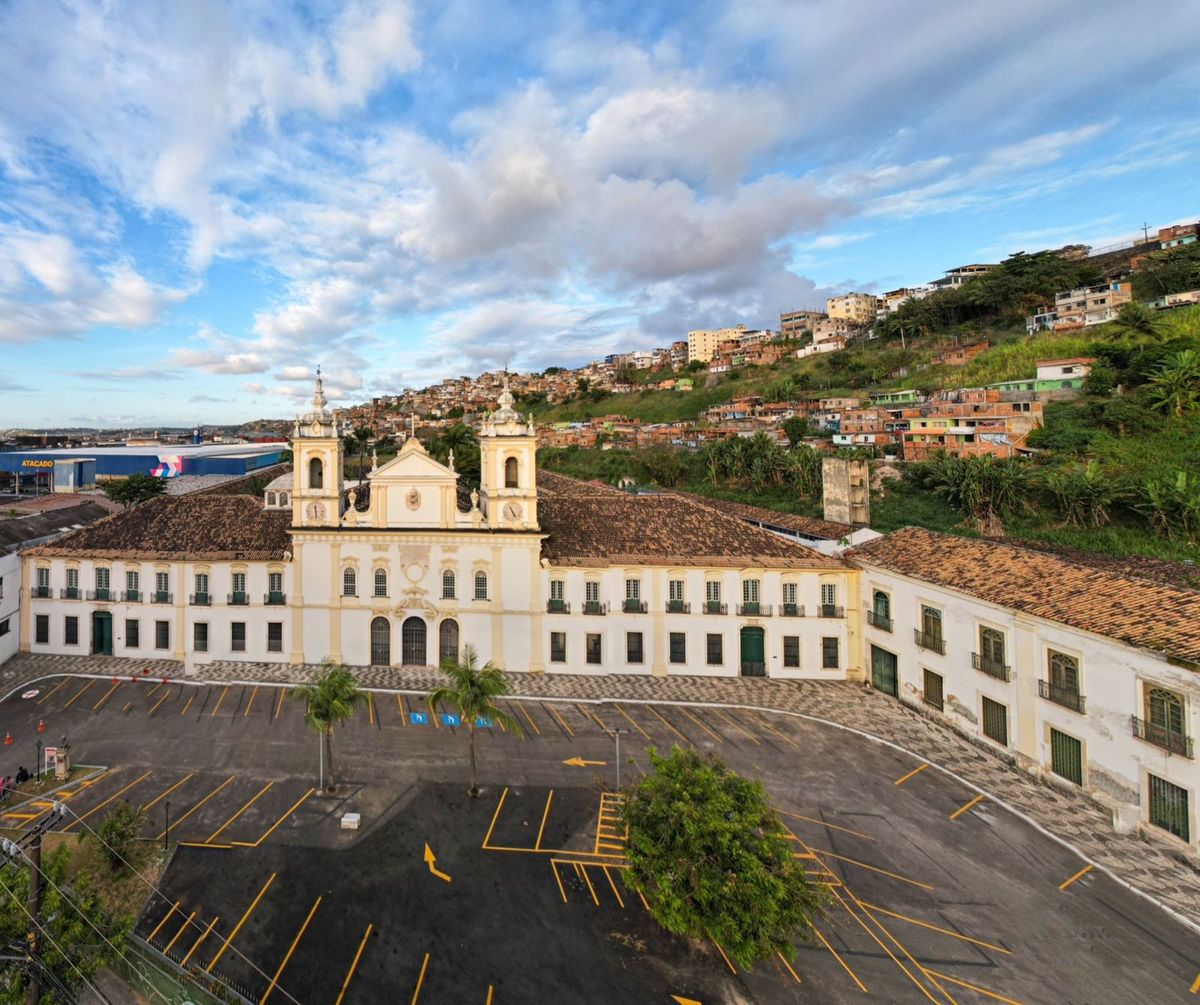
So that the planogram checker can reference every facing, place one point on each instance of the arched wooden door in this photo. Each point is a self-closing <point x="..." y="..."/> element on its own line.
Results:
<point x="448" y="641"/>
<point x="381" y="642"/>
<point x="412" y="642"/>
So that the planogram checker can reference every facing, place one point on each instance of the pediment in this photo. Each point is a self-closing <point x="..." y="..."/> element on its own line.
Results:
<point x="412" y="463"/>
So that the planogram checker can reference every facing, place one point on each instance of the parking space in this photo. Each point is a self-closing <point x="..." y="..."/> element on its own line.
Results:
<point x="934" y="892"/>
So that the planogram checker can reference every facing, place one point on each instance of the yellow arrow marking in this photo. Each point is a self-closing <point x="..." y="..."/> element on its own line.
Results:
<point x="579" y="762"/>
<point x="684" y="1001"/>
<point x="431" y="861"/>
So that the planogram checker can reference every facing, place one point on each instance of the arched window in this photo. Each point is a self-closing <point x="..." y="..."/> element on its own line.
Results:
<point x="270" y="498"/>
<point x="349" y="582"/>
<point x="1164" y="710"/>
<point x="481" y="586"/>
<point x="412" y="642"/>
<point x="381" y="582"/>
<point x="991" y="645"/>
<point x="448" y="641"/>
<point x="510" y="473"/>
<point x="316" y="473"/>
<point x="381" y="642"/>
<point x="1064" y="672"/>
<point x="448" y="585"/>
<point x="882" y="605"/>
<point x="283" y="499"/>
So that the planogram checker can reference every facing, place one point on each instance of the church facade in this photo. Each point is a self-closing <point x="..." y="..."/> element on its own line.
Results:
<point x="538" y="572"/>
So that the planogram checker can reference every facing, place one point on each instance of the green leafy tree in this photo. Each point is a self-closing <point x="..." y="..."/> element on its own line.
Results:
<point x="329" y="701"/>
<point x="1172" y="271"/>
<point x="1175" y="387"/>
<point x="461" y="439"/>
<point x="1139" y="319"/>
<point x="134" y="489"/>
<point x="1082" y="494"/>
<point x="67" y="908"/>
<point x="982" y="487"/>
<point x="118" y="831"/>
<point x="713" y="860"/>
<point x="795" y="429"/>
<point x="473" y="690"/>
<point x="357" y="443"/>
<point x="1172" y="503"/>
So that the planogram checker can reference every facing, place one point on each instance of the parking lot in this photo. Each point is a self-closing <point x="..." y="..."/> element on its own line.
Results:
<point x="935" y="893"/>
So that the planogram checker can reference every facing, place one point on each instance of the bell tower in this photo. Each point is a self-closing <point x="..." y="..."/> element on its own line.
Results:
<point x="508" y="468"/>
<point x="317" y="466"/>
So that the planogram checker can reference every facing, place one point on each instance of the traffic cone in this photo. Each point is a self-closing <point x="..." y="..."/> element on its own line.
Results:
<point x="8" y="739"/>
<point x="41" y="725"/>
<point x="116" y="680"/>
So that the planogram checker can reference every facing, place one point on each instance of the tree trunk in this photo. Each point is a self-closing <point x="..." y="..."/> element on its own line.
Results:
<point x="471" y="750"/>
<point x="330" y="785"/>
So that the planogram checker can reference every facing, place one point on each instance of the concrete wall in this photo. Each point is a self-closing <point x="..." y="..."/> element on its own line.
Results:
<point x="10" y="604"/>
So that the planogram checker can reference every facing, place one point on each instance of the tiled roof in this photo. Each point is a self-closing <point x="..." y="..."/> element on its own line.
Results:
<point x="549" y="483"/>
<point x="616" y="528"/>
<point x="17" y="531"/>
<point x="824" y="530"/>
<point x="1121" y="605"/>
<point x="200" y="528"/>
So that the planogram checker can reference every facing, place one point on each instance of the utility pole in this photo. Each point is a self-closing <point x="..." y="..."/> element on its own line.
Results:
<point x="1145" y="233"/>
<point x="33" y="989"/>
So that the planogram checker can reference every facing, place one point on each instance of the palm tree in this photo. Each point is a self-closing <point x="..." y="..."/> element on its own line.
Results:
<point x="1138" y="319"/>
<point x="329" y="701"/>
<point x="1175" y="386"/>
<point x="361" y="437"/>
<point x="471" y="690"/>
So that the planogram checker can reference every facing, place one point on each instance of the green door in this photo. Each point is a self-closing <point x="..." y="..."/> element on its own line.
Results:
<point x="754" y="663"/>
<point x="1066" y="756"/>
<point x="102" y="638"/>
<point x="883" y="670"/>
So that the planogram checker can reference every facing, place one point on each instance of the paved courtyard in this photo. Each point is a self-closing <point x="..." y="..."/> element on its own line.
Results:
<point x="935" y="893"/>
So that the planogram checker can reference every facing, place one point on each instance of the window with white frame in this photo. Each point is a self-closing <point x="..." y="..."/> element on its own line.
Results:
<point x="633" y="589"/>
<point x="275" y="583"/>
<point x="72" y="579"/>
<point x="381" y="582"/>
<point x="828" y="594"/>
<point x="448" y="585"/>
<point x="239" y="584"/>
<point x="712" y="591"/>
<point x="481" y="586"/>
<point x="349" y="583"/>
<point x="750" y="591"/>
<point x="102" y="579"/>
<point x="675" y="590"/>
<point x="556" y="589"/>
<point x="162" y="582"/>
<point x="591" y="591"/>
<point x="132" y="580"/>
<point x="789" y="593"/>
<point x="201" y="584"/>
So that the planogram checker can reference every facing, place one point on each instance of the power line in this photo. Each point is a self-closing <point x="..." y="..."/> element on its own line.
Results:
<point x="124" y="861"/>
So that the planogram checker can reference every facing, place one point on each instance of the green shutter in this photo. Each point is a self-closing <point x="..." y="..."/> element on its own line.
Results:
<point x="1066" y="756"/>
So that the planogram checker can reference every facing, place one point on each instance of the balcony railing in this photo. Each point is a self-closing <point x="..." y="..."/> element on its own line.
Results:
<point x="880" y="621"/>
<point x="993" y="668"/>
<point x="160" y="597"/>
<point x="274" y="599"/>
<point x="595" y="607"/>
<point x="133" y="596"/>
<point x="791" y="611"/>
<point x="1160" y="736"/>
<point x="42" y="592"/>
<point x="200" y="599"/>
<point x="934" y="643"/>
<point x="239" y="599"/>
<point x="715" y="607"/>
<point x="102" y="594"/>
<point x="830" y="611"/>
<point x="678" y="607"/>
<point x="1067" y="697"/>
<point x="70" y="593"/>
<point x="557" y="607"/>
<point x="631" y="606"/>
<point x="754" y="610"/>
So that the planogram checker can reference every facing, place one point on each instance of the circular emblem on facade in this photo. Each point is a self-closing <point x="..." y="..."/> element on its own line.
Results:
<point x="316" y="511"/>
<point x="413" y="499"/>
<point x="414" y="572"/>
<point x="316" y="429"/>
<point x="512" y="511"/>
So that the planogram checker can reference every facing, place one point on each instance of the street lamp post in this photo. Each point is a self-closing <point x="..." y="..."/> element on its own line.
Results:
<point x="167" y="829"/>
<point x="37" y="765"/>
<point x="617" y="738"/>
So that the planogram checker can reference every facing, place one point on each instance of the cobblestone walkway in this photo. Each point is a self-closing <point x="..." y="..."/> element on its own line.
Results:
<point x="1146" y="864"/>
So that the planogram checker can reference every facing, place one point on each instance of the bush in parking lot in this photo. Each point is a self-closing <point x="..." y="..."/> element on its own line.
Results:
<point x="713" y="859"/>
<point x="118" y="832"/>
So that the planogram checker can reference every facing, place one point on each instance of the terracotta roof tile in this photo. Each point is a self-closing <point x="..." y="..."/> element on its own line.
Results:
<point x="1118" y="604"/>
<point x="825" y="530"/>
<point x="193" y="527"/>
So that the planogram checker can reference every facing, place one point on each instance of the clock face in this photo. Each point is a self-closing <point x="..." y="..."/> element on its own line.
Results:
<point x="316" y="511"/>
<point x="512" y="511"/>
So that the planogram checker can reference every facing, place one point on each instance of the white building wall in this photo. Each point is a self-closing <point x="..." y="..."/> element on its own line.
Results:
<point x="10" y="604"/>
<point x="1113" y="680"/>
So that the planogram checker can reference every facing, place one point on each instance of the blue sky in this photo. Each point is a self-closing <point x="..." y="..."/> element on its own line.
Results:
<point x="199" y="202"/>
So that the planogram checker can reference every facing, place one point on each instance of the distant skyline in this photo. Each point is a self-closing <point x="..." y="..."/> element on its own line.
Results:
<point x="200" y="202"/>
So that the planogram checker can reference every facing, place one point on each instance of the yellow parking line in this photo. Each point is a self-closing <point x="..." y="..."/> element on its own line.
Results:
<point x="737" y="725"/>
<point x="591" y="714"/>
<point x="115" y="795"/>
<point x="587" y="879"/>
<point x="532" y="724"/>
<point x="871" y="868"/>
<point x="353" y="965"/>
<point x="250" y="703"/>
<point x="196" y="944"/>
<point x="165" y="918"/>
<point x="728" y="963"/>
<point x="824" y="823"/>
<point x="291" y="949"/>
<point x="495" y="817"/>
<point x="1079" y="875"/>
<point x="371" y="708"/>
<point x="558" y="880"/>
<point x="166" y="695"/>
<point x="191" y="698"/>
<point x="915" y="771"/>
<point x="107" y="694"/>
<point x="162" y="834"/>
<point x="545" y="814"/>
<point x="761" y="720"/>
<point x="983" y="991"/>
<point x="217" y="706"/>
<point x="248" y="804"/>
<point x="875" y="909"/>
<point x="711" y="732"/>
<point x="153" y="802"/>
<point x="825" y="942"/>
<point x="420" y="980"/>
<point x="557" y="717"/>
<point x="79" y="694"/>
<point x="279" y="703"/>
<point x="271" y="830"/>
<point x="403" y="711"/>
<point x="632" y="721"/>
<point x="963" y="809"/>
<point x="866" y="928"/>
<point x="783" y="960"/>
<point x="182" y="928"/>
<point x="128" y="706"/>
<point x="651" y="708"/>
<point x="238" y="927"/>
<point x="150" y="693"/>
<point x="1196" y="985"/>
<point x="489" y="997"/>
<point x="49" y="694"/>
<point x="608" y="876"/>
